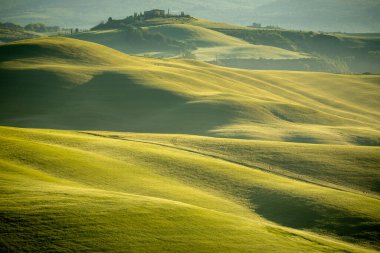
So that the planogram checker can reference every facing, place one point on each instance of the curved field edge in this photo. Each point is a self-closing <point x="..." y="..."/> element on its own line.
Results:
<point x="345" y="167"/>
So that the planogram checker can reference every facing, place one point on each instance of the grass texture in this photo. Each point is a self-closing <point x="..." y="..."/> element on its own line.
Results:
<point x="92" y="87"/>
<point x="220" y="160"/>
<point x="75" y="191"/>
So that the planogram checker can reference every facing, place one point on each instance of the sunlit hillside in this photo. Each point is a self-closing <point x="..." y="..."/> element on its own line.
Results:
<point x="70" y="191"/>
<point x="101" y="151"/>
<point x="88" y="86"/>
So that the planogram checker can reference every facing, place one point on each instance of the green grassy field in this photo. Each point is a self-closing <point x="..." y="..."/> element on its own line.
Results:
<point x="182" y="156"/>
<point x="346" y="167"/>
<point x="91" y="87"/>
<point x="98" y="193"/>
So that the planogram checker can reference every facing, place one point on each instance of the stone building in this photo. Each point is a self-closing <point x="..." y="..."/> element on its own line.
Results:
<point x="154" y="13"/>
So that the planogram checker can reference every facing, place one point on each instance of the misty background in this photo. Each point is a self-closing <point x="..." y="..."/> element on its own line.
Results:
<point x="359" y="16"/>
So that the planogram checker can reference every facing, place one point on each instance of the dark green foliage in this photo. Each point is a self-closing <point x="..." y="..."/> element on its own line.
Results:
<point x="12" y="32"/>
<point x="41" y="28"/>
<point x="11" y="26"/>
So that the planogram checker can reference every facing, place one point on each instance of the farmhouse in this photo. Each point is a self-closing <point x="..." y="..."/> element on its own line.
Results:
<point x="154" y="13"/>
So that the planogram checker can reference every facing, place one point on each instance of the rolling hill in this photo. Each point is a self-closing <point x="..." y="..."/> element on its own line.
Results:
<point x="123" y="194"/>
<point x="180" y="155"/>
<point x="240" y="47"/>
<point x="228" y="45"/>
<point x="92" y="87"/>
<point x="211" y="44"/>
<point x="203" y="43"/>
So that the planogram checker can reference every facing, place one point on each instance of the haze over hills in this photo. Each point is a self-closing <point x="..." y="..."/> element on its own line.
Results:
<point x="337" y="15"/>
<point x="173" y="36"/>
<point x="178" y="38"/>
<point x="322" y="15"/>
<point x="227" y="44"/>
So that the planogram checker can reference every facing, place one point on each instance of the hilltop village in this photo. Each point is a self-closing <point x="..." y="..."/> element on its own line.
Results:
<point x="137" y="18"/>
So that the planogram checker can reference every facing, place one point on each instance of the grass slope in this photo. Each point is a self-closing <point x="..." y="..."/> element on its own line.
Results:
<point x="92" y="87"/>
<point x="69" y="191"/>
<point x="346" y="167"/>
<point x="106" y="191"/>
<point x="211" y="44"/>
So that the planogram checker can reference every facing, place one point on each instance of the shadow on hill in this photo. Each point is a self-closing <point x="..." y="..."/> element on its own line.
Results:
<point x="301" y="139"/>
<point x="133" y="40"/>
<point x="365" y="141"/>
<point x="110" y="101"/>
<point x="29" y="93"/>
<point x="300" y="213"/>
<point x="22" y="51"/>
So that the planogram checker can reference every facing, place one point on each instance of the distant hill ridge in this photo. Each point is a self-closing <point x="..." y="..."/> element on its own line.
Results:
<point x="167" y="36"/>
<point x="138" y="19"/>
